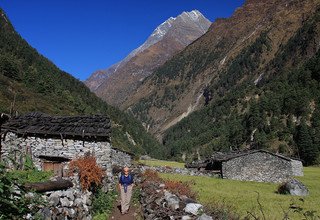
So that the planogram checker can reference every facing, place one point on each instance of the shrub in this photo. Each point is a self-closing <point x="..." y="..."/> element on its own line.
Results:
<point x="30" y="176"/>
<point x="14" y="204"/>
<point x="282" y="189"/>
<point x="180" y="188"/>
<point x="90" y="173"/>
<point x="151" y="175"/>
<point x="102" y="203"/>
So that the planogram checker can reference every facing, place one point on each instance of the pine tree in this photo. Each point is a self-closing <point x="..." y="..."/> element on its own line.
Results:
<point x="308" y="151"/>
<point x="316" y="129"/>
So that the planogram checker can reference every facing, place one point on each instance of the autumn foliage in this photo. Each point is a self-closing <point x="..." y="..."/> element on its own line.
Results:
<point x="176" y="187"/>
<point x="151" y="175"/>
<point x="180" y="188"/>
<point x="90" y="173"/>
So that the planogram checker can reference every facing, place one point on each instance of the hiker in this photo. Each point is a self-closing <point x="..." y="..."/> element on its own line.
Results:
<point x="125" y="185"/>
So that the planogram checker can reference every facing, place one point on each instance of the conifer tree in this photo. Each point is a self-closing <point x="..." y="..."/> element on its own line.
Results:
<point x="307" y="150"/>
<point x="316" y="129"/>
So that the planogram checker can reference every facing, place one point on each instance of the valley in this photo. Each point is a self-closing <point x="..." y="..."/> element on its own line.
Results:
<point x="221" y="114"/>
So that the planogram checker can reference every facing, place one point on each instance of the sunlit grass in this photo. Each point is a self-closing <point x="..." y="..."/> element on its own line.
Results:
<point x="163" y="163"/>
<point x="243" y="195"/>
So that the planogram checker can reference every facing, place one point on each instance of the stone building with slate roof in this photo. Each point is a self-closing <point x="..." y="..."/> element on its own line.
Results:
<point x="254" y="165"/>
<point x="52" y="141"/>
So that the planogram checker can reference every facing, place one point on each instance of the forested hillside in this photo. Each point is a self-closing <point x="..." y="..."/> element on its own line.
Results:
<point x="250" y="82"/>
<point x="279" y="111"/>
<point x="33" y="83"/>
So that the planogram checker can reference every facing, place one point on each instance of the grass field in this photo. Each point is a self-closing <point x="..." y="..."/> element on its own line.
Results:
<point x="154" y="163"/>
<point x="243" y="195"/>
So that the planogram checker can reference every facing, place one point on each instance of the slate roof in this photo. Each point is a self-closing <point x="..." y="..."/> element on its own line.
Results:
<point x="91" y="128"/>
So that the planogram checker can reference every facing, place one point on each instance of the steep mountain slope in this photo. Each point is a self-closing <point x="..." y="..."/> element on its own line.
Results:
<point x="117" y="82"/>
<point x="249" y="66"/>
<point x="176" y="88"/>
<point x="33" y="83"/>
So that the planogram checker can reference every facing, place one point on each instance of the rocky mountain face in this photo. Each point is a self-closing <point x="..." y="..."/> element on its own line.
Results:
<point x="176" y="89"/>
<point x="206" y="96"/>
<point x="118" y="81"/>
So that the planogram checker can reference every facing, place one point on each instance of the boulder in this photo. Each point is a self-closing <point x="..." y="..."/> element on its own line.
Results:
<point x="45" y="214"/>
<point x="294" y="187"/>
<point x="69" y="194"/>
<point x="193" y="208"/>
<point x="172" y="200"/>
<point x="54" y="200"/>
<point x="65" y="202"/>
<point x="205" y="217"/>
<point x="56" y="194"/>
<point x="145" y="157"/>
<point x="78" y="202"/>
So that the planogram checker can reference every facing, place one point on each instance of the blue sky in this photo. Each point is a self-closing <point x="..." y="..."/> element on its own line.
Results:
<point x="81" y="37"/>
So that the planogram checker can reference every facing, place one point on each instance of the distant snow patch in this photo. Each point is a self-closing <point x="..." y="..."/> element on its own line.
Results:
<point x="223" y="60"/>
<point x="116" y="67"/>
<point x="252" y="135"/>
<point x="194" y="15"/>
<point x="130" y="139"/>
<point x="163" y="28"/>
<point x="4" y="17"/>
<point x="258" y="79"/>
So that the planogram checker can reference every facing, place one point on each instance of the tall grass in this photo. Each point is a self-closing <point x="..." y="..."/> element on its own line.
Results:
<point x="243" y="195"/>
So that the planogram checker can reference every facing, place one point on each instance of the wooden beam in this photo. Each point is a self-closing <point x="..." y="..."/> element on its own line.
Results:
<point x="49" y="185"/>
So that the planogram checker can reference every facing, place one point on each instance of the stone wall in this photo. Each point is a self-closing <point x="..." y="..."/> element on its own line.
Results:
<point x="14" y="146"/>
<point x="120" y="158"/>
<point x="259" y="166"/>
<point x="181" y="171"/>
<point x="72" y="203"/>
<point x="297" y="168"/>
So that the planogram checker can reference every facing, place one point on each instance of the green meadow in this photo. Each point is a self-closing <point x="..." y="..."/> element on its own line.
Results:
<point x="242" y="195"/>
<point x="163" y="163"/>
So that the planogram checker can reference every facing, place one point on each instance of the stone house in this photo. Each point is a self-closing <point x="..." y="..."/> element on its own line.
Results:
<point x="52" y="141"/>
<point x="254" y="165"/>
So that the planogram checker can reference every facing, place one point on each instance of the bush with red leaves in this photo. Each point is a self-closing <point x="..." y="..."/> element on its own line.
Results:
<point x="90" y="173"/>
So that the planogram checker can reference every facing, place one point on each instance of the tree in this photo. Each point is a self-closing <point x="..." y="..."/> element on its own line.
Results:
<point x="316" y="128"/>
<point x="9" y="67"/>
<point x="308" y="151"/>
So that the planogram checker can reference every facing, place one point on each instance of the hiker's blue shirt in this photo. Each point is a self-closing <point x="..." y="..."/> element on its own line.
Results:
<point x="125" y="181"/>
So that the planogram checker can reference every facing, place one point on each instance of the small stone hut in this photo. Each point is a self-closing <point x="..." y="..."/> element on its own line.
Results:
<point x="254" y="165"/>
<point x="52" y="141"/>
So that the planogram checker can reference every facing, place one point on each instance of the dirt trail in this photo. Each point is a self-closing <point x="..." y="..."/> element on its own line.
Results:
<point x="133" y="214"/>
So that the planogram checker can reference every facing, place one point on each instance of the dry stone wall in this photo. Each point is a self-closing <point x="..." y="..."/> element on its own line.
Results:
<point x="13" y="146"/>
<point x="297" y="168"/>
<point x="72" y="203"/>
<point x="260" y="166"/>
<point x="120" y="158"/>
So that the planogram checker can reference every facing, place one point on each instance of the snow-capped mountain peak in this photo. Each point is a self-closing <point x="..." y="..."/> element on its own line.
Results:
<point x="168" y="38"/>
<point x="193" y="17"/>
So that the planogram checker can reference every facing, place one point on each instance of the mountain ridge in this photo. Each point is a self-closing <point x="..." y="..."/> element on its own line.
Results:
<point x="250" y="82"/>
<point x="168" y="38"/>
<point x="218" y="47"/>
